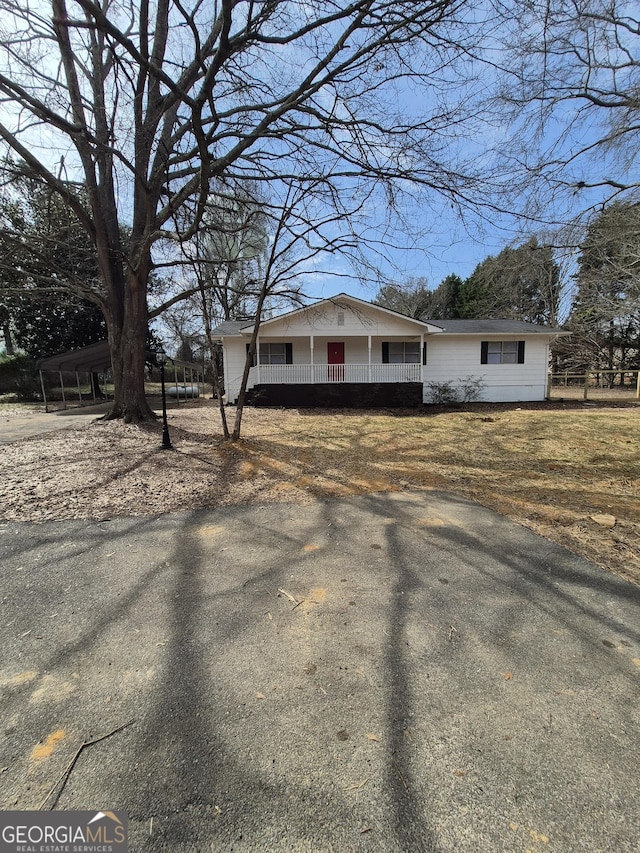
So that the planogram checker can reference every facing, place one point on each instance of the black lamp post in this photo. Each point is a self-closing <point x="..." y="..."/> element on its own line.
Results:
<point x="166" y="441"/>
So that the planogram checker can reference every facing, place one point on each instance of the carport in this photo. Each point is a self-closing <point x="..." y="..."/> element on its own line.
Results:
<point x="96" y="358"/>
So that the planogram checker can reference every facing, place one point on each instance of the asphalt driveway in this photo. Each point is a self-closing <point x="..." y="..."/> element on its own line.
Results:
<point x="404" y="672"/>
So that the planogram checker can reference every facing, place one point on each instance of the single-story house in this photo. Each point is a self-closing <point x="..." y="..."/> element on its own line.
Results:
<point x="345" y="351"/>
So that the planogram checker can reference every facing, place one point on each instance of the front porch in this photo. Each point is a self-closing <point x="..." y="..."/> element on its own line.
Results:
<point x="314" y="374"/>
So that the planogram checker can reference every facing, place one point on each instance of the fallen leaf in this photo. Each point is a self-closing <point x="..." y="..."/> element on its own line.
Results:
<point x="460" y="772"/>
<point x="508" y="676"/>
<point x="372" y="737"/>
<point x="260" y="696"/>
<point x="358" y="786"/>
<point x="603" y="519"/>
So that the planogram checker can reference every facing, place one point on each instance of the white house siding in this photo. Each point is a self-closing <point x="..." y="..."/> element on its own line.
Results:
<point x="449" y="358"/>
<point x="234" y="353"/>
<point x="452" y="357"/>
<point x="322" y="322"/>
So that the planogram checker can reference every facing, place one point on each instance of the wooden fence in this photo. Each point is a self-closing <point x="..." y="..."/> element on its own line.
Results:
<point x="595" y="385"/>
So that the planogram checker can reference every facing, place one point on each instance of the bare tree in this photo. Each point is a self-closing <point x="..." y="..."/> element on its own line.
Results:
<point x="130" y="110"/>
<point x="570" y="77"/>
<point x="412" y="298"/>
<point x="225" y="258"/>
<point x="306" y="223"/>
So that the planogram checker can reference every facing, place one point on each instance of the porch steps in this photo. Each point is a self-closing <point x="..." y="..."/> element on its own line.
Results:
<point x="357" y="395"/>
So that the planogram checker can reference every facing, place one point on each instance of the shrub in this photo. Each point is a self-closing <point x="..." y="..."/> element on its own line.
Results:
<point x="442" y="393"/>
<point x="18" y="375"/>
<point x="472" y="388"/>
<point x="468" y="390"/>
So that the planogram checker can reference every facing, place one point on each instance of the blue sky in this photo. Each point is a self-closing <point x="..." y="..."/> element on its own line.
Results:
<point x="444" y="246"/>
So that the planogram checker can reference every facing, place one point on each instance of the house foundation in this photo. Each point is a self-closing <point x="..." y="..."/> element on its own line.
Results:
<point x="356" y="395"/>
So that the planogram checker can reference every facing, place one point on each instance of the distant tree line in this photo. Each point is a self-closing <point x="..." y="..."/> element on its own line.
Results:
<point x="526" y="282"/>
<point x="45" y="258"/>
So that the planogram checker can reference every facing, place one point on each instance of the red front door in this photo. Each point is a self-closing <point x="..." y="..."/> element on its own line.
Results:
<point x="335" y="360"/>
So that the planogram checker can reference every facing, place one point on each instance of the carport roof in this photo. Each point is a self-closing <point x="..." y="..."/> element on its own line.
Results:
<point x="94" y="358"/>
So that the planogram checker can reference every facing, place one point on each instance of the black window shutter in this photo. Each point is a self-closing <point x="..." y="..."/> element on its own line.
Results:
<point x="520" y="352"/>
<point x="253" y="360"/>
<point x="484" y="352"/>
<point x="385" y="352"/>
<point x="288" y="353"/>
<point x="424" y="352"/>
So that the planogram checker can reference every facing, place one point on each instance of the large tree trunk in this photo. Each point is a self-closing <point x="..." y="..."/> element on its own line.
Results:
<point x="127" y="324"/>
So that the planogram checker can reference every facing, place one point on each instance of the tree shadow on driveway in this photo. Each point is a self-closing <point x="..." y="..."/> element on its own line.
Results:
<point x="391" y="672"/>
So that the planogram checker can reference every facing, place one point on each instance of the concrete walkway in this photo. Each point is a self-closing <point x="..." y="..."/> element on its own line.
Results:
<point x="405" y="672"/>
<point x="14" y="427"/>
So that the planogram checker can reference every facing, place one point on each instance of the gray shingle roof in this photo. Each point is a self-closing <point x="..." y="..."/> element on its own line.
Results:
<point x="231" y="327"/>
<point x="492" y="327"/>
<point x="452" y="327"/>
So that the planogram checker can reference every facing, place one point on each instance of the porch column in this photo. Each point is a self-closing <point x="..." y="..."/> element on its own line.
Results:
<point x="369" y="349"/>
<point x="421" y="352"/>
<point x="313" y="378"/>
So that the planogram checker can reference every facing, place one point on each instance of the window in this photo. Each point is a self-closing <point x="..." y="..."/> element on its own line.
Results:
<point x="276" y="354"/>
<point x="402" y="352"/>
<point x="502" y="352"/>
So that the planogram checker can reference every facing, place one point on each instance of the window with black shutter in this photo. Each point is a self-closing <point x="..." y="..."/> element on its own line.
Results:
<point x="272" y="353"/>
<point x="502" y="352"/>
<point x="401" y="352"/>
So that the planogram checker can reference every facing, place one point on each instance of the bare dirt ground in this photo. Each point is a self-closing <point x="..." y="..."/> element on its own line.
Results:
<point x="567" y="470"/>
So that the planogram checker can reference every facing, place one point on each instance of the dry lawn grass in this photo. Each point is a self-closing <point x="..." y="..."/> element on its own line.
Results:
<point x="548" y="467"/>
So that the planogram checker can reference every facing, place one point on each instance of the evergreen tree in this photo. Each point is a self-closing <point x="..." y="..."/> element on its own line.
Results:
<point x="44" y="257"/>
<point x="605" y="315"/>
<point x="444" y="300"/>
<point x="521" y="283"/>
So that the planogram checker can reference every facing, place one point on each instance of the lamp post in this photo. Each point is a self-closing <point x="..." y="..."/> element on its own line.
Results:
<point x="166" y="441"/>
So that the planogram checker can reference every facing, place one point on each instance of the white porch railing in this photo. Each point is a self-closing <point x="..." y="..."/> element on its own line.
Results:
<point x="314" y="374"/>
